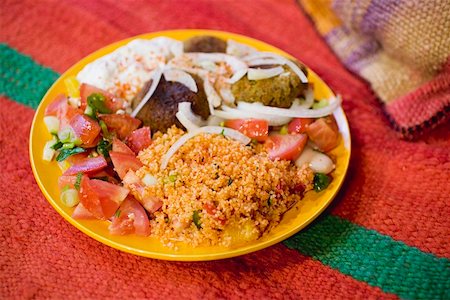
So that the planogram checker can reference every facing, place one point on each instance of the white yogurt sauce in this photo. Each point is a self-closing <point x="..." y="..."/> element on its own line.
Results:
<point x="124" y="71"/>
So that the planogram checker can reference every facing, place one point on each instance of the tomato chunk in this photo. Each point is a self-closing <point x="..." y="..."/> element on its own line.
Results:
<point x="110" y="196"/>
<point x="150" y="203"/>
<point x="253" y="128"/>
<point x="140" y="139"/>
<point x="324" y="132"/>
<point x="119" y="146"/>
<point x="122" y="125"/>
<point x="52" y="108"/>
<point x="112" y="102"/>
<point x="81" y="213"/>
<point x="124" y="162"/>
<point x="87" y="165"/>
<point x="65" y="112"/>
<point x="299" y="125"/>
<point x="286" y="147"/>
<point x="130" y="218"/>
<point x="89" y="198"/>
<point x="86" y="129"/>
<point x="67" y="181"/>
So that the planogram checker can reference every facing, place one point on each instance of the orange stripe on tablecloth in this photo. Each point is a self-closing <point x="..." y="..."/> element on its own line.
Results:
<point x="32" y="232"/>
<point x="53" y="32"/>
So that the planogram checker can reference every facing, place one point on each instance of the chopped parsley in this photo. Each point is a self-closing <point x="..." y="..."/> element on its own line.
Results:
<point x="230" y="181"/>
<point x="78" y="181"/>
<point x="103" y="147"/>
<point x="196" y="219"/>
<point x="65" y="153"/>
<point x="117" y="213"/>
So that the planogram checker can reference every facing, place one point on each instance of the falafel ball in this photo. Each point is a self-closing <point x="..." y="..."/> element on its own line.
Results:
<point x="159" y="112"/>
<point x="205" y="43"/>
<point x="278" y="91"/>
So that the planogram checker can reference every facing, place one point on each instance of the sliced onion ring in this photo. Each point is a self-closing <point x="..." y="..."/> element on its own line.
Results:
<point x="181" y="77"/>
<point x="229" y="113"/>
<point x="258" y="74"/>
<point x="155" y="78"/>
<point x="291" y="112"/>
<point x="187" y="117"/>
<point x="234" y="134"/>
<point x="212" y="96"/>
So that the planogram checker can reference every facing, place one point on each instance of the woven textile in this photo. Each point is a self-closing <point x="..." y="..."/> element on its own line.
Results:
<point x="402" y="48"/>
<point x="386" y="234"/>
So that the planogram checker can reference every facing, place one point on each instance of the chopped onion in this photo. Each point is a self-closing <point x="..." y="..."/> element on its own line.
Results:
<point x="213" y="98"/>
<point x="317" y="161"/>
<point x="181" y="77"/>
<point x="149" y="180"/>
<point x="291" y="112"/>
<point x="307" y="103"/>
<point x="155" y="78"/>
<point x="230" y="113"/>
<point x="234" y="134"/>
<point x="238" y="49"/>
<point x="258" y="74"/>
<point x="48" y="152"/>
<point x="190" y="126"/>
<point x="52" y="124"/>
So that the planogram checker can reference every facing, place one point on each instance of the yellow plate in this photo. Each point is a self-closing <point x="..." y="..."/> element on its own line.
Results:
<point x="47" y="173"/>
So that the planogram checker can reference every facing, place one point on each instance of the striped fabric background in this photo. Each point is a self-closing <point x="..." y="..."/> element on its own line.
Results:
<point x="387" y="234"/>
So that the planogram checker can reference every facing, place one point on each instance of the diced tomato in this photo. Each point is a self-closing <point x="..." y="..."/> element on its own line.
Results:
<point x="324" y="132"/>
<point x="101" y="198"/>
<point x="76" y="158"/>
<point x="110" y="195"/>
<point x="52" y="108"/>
<point x="140" y="139"/>
<point x="104" y="174"/>
<point x="130" y="218"/>
<point x="112" y="102"/>
<point x="151" y="203"/>
<point x="210" y="208"/>
<point x="65" y="112"/>
<point x="81" y="213"/>
<point x="299" y="125"/>
<point x="122" y="125"/>
<point x="67" y="181"/>
<point x="89" y="198"/>
<point x="253" y="128"/>
<point x="123" y="162"/>
<point x="119" y="146"/>
<point x="87" y="165"/>
<point x="85" y="128"/>
<point x="286" y="147"/>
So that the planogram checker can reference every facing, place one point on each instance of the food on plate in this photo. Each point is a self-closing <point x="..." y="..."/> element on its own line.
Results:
<point x="206" y="142"/>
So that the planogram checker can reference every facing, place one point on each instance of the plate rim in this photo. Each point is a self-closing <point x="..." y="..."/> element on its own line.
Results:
<point x="231" y="252"/>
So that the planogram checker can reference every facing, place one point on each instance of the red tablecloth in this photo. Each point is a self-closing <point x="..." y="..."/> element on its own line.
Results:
<point x="386" y="235"/>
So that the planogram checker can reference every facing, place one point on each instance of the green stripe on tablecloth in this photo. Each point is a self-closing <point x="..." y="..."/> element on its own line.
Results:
<point x="375" y="258"/>
<point x="22" y="79"/>
<point x="353" y="250"/>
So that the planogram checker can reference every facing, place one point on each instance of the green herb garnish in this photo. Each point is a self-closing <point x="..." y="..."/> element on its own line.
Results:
<point x="65" y="153"/>
<point x="104" y="147"/>
<point x="321" y="182"/>
<point x="78" y="181"/>
<point x="57" y="145"/>
<point x="196" y="219"/>
<point x="65" y="188"/>
<point x="68" y="145"/>
<point x="222" y="132"/>
<point x="230" y="181"/>
<point x="117" y="213"/>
